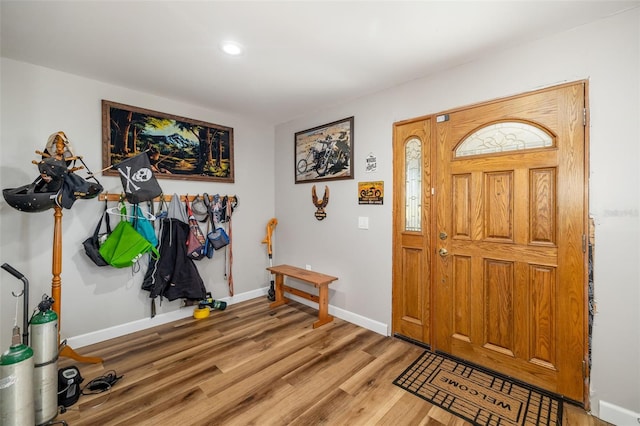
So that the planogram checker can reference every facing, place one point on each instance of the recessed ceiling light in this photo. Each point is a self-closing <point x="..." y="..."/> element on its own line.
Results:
<point x="231" y="48"/>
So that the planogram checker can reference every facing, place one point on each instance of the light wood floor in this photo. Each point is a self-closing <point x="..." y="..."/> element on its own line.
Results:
<point x="249" y="365"/>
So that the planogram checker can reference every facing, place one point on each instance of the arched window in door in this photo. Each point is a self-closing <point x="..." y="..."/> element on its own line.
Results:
<point x="503" y="137"/>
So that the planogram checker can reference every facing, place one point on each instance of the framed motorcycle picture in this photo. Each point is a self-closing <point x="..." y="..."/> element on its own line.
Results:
<point x="324" y="152"/>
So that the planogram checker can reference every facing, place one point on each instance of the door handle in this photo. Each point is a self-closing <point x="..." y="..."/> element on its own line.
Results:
<point x="443" y="252"/>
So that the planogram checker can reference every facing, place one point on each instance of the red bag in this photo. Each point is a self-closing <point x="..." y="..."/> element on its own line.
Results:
<point x="196" y="240"/>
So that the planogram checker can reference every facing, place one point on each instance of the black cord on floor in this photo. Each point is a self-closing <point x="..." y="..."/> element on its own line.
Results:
<point x="101" y="383"/>
<point x="98" y="385"/>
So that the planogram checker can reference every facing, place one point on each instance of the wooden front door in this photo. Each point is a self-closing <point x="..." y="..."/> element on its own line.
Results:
<point x="509" y="279"/>
<point x="411" y="230"/>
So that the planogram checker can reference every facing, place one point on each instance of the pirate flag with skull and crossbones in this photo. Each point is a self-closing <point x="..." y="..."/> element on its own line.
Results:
<point x="138" y="181"/>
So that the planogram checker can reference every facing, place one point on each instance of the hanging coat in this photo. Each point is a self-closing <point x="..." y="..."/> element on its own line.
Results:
<point x="174" y="275"/>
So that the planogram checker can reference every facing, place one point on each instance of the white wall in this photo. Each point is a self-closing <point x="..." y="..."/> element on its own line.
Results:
<point x="607" y="53"/>
<point x="37" y="102"/>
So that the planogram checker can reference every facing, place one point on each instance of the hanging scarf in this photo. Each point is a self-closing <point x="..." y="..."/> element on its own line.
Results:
<point x="229" y="210"/>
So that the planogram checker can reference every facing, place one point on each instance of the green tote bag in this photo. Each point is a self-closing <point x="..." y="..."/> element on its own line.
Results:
<point x="125" y="246"/>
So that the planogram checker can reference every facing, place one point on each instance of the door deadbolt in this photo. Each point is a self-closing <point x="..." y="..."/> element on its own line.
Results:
<point x="443" y="236"/>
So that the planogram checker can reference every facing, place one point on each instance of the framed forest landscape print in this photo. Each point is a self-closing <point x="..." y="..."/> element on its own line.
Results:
<point x="324" y="152"/>
<point x="178" y="147"/>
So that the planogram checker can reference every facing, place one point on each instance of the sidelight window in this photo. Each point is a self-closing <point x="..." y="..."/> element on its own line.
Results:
<point x="413" y="184"/>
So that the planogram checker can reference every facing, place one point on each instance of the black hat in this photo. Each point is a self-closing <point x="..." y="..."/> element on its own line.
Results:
<point x="34" y="197"/>
<point x="53" y="168"/>
<point x="52" y="172"/>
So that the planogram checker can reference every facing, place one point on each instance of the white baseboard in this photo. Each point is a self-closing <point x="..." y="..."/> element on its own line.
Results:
<point x="142" y="324"/>
<point x="617" y="415"/>
<point x="356" y="319"/>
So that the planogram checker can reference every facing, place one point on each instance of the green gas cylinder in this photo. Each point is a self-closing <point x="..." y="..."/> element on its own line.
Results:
<point x="16" y="384"/>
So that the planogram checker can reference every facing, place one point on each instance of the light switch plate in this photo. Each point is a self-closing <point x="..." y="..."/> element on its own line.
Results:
<point x="363" y="222"/>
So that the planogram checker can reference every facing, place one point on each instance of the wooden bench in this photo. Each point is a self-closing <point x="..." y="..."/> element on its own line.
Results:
<point x="316" y="279"/>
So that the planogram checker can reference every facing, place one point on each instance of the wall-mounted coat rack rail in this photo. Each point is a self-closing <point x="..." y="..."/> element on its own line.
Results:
<point x="233" y="202"/>
<point x="117" y="197"/>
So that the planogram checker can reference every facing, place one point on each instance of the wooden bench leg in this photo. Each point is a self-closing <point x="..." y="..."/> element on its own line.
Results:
<point x="322" y="299"/>
<point x="280" y="299"/>
<point x="323" y="306"/>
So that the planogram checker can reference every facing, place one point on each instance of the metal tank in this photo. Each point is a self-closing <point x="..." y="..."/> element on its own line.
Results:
<point x="16" y="384"/>
<point x="44" y="341"/>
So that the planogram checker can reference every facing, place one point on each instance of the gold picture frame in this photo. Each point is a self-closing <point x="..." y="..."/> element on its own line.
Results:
<point x="178" y="147"/>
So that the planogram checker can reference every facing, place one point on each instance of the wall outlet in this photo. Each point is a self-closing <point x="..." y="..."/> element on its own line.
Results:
<point x="308" y="267"/>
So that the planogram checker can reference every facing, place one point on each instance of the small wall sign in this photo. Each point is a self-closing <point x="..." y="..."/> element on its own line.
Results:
<point x="370" y="192"/>
<point x="371" y="163"/>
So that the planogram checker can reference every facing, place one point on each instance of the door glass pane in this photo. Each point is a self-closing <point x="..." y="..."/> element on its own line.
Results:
<point x="413" y="184"/>
<point x="502" y="137"/>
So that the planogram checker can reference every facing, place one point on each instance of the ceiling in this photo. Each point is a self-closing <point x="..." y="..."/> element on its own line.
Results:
<point x="300" y="56"/>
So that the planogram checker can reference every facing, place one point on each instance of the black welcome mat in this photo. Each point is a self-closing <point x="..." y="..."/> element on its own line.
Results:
<point x="477" y="395"/>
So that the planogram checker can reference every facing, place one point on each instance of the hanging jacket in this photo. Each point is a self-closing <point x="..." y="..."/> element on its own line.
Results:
<point x="174" y="275"/>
